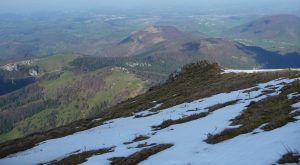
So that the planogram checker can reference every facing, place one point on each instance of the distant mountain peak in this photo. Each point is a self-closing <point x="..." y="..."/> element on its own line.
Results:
<point x="145" y="39"/>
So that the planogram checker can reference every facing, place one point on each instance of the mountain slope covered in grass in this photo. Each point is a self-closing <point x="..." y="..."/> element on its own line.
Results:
<point x="229" y="117"/>
<point x="60" y="95"/>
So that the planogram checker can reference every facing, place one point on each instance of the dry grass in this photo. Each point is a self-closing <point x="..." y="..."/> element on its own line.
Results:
<point x="219" y="106"/>
<point x="147" y="115"/>
<point x="140" y="155"/>
<point x="142" y="145"/>
<point x="29" y="141"/>
<point x="290" y="157"/>
<point x="195" y="82"/>
<point x="251" y="90"/>
<point x="266" y="92"/>
<point x="186" y="119"/>
<point x="137" y="139"/>
<point x="81" y="157"/>
<point x="273" y="111"/>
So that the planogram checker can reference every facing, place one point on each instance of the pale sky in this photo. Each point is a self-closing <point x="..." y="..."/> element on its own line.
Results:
<point x="44" y="5"/>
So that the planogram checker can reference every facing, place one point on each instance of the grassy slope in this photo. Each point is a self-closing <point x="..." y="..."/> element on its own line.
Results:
<point x="118" y="83"/>
<point x="195" y="82"/>
<point x="55" y="62"/>
<point x="52" y="85"/>
<point x="118" y="86"/>
<point x="267" y="114"/>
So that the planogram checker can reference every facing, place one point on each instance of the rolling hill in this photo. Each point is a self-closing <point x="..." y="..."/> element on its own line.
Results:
<point x="278" y="27"/>
<point x="167" y="48"/>
<point x="145" y="39"/>
<point x="71" y="87"/>
<point x="201" y="114"/>
<point x="278" y="33"/>
<point x="59" y="95"/>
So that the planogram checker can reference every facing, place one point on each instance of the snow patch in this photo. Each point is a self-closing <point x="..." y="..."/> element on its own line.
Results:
<point x="188" y="138"/>
<point x="258" y="70"/>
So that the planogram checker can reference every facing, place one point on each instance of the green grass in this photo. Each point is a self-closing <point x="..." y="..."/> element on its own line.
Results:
<point x="55" y="62"/>
<point x="70" y="113"/>
<point x="117" y="84"/>
<point x="32" y="124"/>
<point x="46" y="119"/>
<point x="43" y="120"/>
<point x="13" y="134"/>
<point x="196" y="81"/>
<point x="64" y="79"/>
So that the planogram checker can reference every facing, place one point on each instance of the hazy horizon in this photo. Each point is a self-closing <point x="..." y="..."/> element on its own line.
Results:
<point x="17" y="6"/>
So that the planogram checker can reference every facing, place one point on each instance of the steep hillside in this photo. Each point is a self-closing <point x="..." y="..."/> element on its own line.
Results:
<point x="227" y="116"/>
<point x="18" y="74"/>
<point x="11" y="80"/>
<point x="59" y="96"/>
<point x="71" y="87"/>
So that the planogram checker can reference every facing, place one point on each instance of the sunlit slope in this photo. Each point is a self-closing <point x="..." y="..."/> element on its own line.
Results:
<point x="65" y="98"/>
<point x="241" y="117"/>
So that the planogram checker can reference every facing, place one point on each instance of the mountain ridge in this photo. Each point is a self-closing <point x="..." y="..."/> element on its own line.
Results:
<point x="175" y="92"/>
<point x="275" y="27"/>
<point x="181" y="48"/>
<point x="243" y="90"/>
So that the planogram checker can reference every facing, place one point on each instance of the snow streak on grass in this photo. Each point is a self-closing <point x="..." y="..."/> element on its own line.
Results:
<point x="185" y="135"/>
